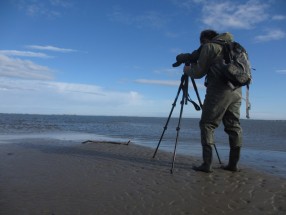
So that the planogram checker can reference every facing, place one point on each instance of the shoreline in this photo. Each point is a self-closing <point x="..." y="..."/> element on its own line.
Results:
<point x="48" y="176"/>
<point x="270" y="161"/>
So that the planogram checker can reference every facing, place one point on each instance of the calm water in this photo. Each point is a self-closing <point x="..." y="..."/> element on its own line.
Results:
<point x="264" y="144"/>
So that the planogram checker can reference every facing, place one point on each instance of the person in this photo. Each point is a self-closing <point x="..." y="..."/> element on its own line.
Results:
<point x="221" y="103"/>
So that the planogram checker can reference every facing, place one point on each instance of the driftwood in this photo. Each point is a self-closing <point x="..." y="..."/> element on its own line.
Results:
<point x="104" y="141"/>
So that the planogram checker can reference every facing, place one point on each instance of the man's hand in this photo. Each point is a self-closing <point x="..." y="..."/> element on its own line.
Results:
<point x="187" y="70"/>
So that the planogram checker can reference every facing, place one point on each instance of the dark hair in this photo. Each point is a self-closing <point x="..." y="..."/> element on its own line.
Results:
<point x="207" y="35"/>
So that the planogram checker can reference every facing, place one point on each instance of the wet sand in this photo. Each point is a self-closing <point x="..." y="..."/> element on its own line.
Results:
<point x="46" y="176"/>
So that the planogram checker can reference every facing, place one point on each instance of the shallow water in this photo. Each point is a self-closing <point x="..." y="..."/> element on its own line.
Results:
<point x="264" y="146"/>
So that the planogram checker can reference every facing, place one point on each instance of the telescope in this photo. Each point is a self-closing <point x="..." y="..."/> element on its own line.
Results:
<point x="187" y="58"/>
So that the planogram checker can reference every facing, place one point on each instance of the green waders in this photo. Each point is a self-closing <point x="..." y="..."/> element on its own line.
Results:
<point x="234" y="156"/>
<point x="207" y="158"/>
<point x="221" y="105"/>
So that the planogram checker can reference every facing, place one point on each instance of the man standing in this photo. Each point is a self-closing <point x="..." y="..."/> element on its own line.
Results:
<point x="222" y="103"/>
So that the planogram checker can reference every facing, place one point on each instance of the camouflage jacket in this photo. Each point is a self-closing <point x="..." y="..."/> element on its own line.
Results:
<point x="207" y="65"/>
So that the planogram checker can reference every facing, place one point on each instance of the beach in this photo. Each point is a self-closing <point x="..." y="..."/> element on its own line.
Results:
<point x="48" y="176"/>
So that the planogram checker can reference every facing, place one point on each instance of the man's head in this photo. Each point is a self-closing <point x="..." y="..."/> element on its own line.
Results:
<point x="207" y="35"/>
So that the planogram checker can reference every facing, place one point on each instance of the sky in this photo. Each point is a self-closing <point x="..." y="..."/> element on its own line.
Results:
<point x="114" y="58"/>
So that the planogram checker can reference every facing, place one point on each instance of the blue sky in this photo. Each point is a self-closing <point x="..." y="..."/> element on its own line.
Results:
<point x="110" y="57"/>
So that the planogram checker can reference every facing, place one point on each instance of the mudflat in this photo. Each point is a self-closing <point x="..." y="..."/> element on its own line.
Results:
<point x="46" y="176"/>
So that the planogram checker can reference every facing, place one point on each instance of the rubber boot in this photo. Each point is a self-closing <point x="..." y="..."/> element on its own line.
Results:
<point x="207" y="157"/>
<point x="234" y="156"/>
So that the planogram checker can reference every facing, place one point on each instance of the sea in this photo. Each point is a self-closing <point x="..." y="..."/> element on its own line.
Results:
<point x="264" y="141"/>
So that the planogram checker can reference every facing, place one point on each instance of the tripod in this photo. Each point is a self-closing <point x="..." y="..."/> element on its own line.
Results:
<point x="185" y="98"/>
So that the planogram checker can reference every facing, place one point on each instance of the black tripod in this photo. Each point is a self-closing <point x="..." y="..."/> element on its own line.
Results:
<point x="185" y="98"/>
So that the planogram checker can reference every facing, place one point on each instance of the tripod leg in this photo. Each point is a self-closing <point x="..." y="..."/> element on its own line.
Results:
<point x="166" y="125"/>
<point x="217" y="154"/>
<point x="197" y="93"/>
<point x="178" y="130"/>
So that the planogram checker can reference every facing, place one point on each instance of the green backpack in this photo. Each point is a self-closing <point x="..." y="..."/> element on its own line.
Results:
<point x="236" y="63"/>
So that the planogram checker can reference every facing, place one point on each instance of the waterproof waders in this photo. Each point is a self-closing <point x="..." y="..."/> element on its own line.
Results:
<point x="207" y="158"/>
<point x="234" y="156"/>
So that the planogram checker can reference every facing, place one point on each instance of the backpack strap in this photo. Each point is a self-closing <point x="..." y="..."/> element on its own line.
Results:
<point x="227" y="56"/>
<point x="226" y="49"/>
<point x="247" y="103"/>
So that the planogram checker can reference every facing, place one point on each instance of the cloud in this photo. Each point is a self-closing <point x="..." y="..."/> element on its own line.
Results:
<point x="67" y="91"/>
<point x="158" y="82"/>
<point x="117" y="15"/>
<point x="62" y="3"/>
<point x="11" y="66"/>
<point x="151" y="18"/>
<point x="50" y="48"/>
<point x="279" y="17"/>
<point x="170" y="72"/>
<point x="14" y="67"/>
<point x="145" y="19"/>
<point x="271" y="34"/>
<point x="166" y="83"/>
<point x="23" y="53"/>
<point x="187" y="4"/>
<point x="229" y="14"/>
<point x="281" y="71"/>
<point x="172" y="34"/>
<point x="74" y="91"/>
<point x="41" y="96"/>
<point x="48" y="8"/>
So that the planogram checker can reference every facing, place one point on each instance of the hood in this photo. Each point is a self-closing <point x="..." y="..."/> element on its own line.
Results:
<point x="224" y="36"/>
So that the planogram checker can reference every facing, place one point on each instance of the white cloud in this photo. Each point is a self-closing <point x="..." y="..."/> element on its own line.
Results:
<point x="271" y="34"/>
<point x="279" y="17"/>
<point x="14" y="67"/>
<point x="145" y="19"/>
<point x="187" y="4"/>
<point x="118" y="15"/>
<point x="166" y="83"/>
<point x="172" y="34"/>
<point x="151" y="18"/>
<point x="11" y="66"/>
<point x="49" y="8"/>
<point x="62" y="3"/>
<point x="50" y="48"/>
<point x="281" y="71"/>
<point x="39" y="96"/>
<point x="158" y="82"/>
<point x="23" y="53"/>
<point x="229" y="14"/>
<point x="170" y="72"/>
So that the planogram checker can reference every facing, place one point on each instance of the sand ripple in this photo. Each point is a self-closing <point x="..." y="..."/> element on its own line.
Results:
<point x="48" y="177"/>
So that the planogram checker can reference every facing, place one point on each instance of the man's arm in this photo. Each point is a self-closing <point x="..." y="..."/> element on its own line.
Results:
<point x="201" y="68"/>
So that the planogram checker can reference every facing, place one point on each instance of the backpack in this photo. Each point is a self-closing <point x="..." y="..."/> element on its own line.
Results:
<point x="237" y="69"/>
